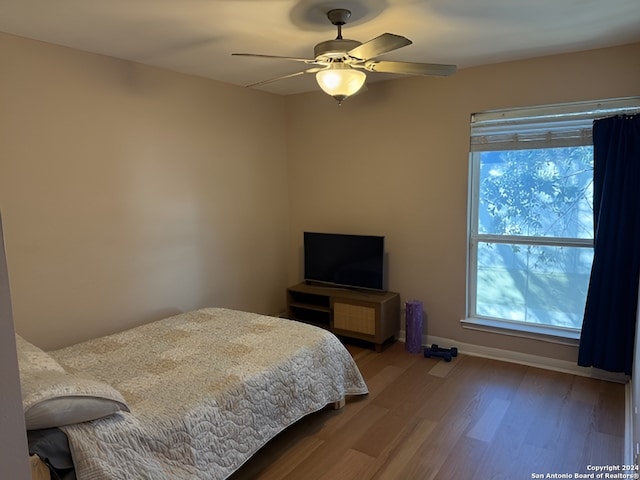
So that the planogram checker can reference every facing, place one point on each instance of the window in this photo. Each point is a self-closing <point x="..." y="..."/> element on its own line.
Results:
<point x="531" y="217"/>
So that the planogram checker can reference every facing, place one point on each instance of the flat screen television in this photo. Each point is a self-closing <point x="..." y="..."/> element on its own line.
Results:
<point x="355" y="261"/>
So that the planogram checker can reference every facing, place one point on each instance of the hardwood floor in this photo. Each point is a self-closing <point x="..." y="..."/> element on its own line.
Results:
<point x="470" y="419"/>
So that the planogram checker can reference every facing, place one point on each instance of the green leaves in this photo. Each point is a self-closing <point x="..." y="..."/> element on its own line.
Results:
<point x="545" y="192"/>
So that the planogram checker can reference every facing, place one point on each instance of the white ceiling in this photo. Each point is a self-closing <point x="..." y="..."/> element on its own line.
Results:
<point x="198" y="36"/>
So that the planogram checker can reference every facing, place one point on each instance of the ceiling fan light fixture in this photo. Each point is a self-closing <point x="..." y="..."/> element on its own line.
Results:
<point x="339" y="63"/>
<point x="340" y="81"/>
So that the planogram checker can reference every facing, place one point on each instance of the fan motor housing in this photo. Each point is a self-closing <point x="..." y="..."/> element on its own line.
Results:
<point x="335" y="49"/>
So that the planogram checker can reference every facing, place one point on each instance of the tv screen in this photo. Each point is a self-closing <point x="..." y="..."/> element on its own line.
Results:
<point x="344" y="260"/>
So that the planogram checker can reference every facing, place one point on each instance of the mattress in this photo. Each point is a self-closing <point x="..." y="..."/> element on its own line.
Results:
<point x="205" y="390"/>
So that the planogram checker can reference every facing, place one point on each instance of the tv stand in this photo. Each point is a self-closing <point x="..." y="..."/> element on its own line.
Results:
<point x="370" y="316"/>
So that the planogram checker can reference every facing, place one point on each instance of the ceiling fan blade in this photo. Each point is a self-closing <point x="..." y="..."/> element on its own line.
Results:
<point x="308" y="61"/>
<point x="410" y="68"/>
<point x="379" y="45"/>
<point x="263" y="82"/>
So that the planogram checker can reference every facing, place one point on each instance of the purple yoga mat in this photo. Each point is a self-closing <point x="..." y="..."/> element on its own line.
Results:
<point x="413" y="315"/>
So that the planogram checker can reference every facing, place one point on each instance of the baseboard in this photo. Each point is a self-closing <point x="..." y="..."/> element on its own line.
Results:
<point x="522" y="358"/>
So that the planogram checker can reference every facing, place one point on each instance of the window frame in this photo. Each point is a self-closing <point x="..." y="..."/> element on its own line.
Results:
<point x="551" y="126"/>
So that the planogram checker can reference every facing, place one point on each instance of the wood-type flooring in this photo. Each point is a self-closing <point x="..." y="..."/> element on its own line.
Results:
<point x="470" y="419"/>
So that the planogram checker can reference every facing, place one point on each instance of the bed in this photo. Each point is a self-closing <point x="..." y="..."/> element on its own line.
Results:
<point x="192" y="396"/>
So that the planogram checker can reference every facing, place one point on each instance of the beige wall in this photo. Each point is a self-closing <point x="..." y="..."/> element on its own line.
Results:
<point x="129" y="193"/>
<point x="394" y="161"/>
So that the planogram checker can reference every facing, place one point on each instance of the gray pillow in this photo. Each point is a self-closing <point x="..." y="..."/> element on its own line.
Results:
<point x="53" y="397"/>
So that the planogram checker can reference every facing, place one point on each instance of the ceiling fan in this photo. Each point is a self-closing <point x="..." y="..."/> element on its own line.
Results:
<point x="340" y="63"/>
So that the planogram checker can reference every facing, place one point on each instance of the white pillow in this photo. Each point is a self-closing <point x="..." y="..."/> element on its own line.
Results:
<point x="53" y="397"/>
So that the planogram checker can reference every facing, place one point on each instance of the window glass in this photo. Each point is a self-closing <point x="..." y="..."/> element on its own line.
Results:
<point x="544" y="285"/>
<point x="538" y="193"/>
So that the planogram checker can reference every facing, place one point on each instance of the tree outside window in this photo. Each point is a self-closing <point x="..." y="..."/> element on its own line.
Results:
<point x="533" y="234"/>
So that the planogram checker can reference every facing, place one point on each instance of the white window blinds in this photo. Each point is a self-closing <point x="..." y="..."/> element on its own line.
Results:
<point x="565" y="125"/>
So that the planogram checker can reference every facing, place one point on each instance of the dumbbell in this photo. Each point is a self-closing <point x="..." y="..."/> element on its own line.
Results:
<point x="453" y="350"/>
<point x="428" y="353"/>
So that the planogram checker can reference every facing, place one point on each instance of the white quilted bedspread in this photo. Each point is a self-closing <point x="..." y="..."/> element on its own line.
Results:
<point x="206" y="390"/>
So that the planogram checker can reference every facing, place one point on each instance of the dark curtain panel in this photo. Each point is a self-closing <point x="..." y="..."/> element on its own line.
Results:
<point x="608" y="328"/>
